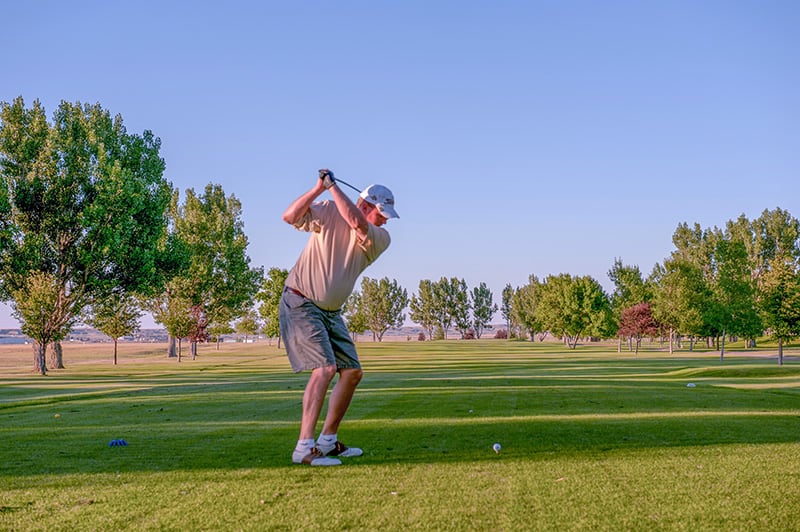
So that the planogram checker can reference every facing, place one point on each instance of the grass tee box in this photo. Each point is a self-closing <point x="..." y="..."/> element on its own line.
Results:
<point x="590" y="440"/>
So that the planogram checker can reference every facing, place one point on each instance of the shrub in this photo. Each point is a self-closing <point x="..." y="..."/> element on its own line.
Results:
<point x="501" y="334"/>
<point x="421" y="337"/>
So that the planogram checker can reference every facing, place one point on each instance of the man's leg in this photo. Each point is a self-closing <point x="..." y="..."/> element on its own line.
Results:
<point x="340" y="398"/>
<point x="349" y="377"/>
<point x="307" y="346"/>
<point x="337" y="407"/>
<point x="313" y="399"/>
<point x="306" y="451"/>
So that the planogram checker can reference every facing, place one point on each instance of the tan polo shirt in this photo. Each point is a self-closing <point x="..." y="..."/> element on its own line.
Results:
<point x="334" y="256"/>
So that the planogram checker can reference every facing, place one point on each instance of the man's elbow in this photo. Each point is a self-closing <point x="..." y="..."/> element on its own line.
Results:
<point x="291" y="217"/>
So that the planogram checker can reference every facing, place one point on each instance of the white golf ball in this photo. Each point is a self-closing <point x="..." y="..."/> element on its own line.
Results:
<point x="496" y="447"/>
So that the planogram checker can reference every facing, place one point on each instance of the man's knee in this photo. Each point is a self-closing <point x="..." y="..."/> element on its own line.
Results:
<point x="352" y="375"/>
<point x="325" y="372"/>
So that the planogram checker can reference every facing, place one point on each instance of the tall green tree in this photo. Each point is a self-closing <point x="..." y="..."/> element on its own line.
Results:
<point x="270" y="298"/>
<point x="462" y="306"/>
<point x="680" y="297"/>
<point x="695" y="254"/>
<point x="630" y="287"/>
<point x="776" y="234"/>
<point x="218" y="279"/>
<point x="665" y="307"/>
<point x="382" y="304"/>
<point x="38" y="306"/>
<point x="506" y="307"/>
<point x="450" y="299"/>
<point x="483" y="308"/>
<point x="423" y="307"/>
<point x="574" y="307"/>
<point x="82" y="201"/>
<point x="354" y="315"/>
<point x="734" y="291"/>
<point x="115" y="316"/>
<point x="524" y="303"/>
<point x="175" y="314"/>
<point x="780" y="300"/>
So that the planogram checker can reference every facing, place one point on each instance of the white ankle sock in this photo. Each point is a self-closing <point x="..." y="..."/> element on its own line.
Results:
<point x="326" y="439"/>
<point x="303" y="446"/>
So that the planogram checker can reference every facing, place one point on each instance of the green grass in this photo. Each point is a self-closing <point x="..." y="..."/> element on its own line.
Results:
<point x="592" y="440"/>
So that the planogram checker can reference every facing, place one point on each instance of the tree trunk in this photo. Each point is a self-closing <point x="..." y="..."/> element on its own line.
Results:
<point x="56" y="356"/>
<point x="619" y="344"/>
<point x="115" y="351"/>
<point x="780" y="351"/>
<point x="179" y="349"/>
<point x="671" y="336"/>
<point x="722" y="348"/>
<point x="171" y="353"/>
<point x="193" y="349"/>
<point x="217" y="343"/>
<point x="573" y="342"/>
<point x="691" y="344"/>
<point x="279" y="341"/>
<point x="39" y="359"/>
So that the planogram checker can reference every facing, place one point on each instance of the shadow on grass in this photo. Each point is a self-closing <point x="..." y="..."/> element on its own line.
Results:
<point x="165" y="441"/>
<point x="187" y="447"/>
<point x="536" y="409"/>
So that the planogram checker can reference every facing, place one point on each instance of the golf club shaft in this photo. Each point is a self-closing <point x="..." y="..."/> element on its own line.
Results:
<point x="348" y="184"/>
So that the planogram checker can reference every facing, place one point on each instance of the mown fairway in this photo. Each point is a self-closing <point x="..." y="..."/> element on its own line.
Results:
<point x="591" y="440"/>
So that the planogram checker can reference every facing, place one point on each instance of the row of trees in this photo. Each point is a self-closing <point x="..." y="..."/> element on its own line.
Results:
<point x="739" y="281"/>
<point x="380" y="305"/>
<point x="92" y="232"/>
<point x="440" y="305"/>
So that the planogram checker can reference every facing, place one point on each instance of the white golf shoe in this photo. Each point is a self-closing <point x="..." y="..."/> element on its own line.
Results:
<point x="339" y="449"/>
<point x="315" y="457"/>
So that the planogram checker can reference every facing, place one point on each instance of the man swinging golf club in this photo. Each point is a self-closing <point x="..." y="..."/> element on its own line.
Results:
<point x="345" y="238"/>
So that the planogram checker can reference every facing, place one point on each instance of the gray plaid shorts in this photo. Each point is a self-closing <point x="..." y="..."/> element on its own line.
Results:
<point x="314" y="338"/>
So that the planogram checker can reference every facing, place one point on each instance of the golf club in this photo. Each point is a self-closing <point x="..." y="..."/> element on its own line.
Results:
<point x="348" y="184"/>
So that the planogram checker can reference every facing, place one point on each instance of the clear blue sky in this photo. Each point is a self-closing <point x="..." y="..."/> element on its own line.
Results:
<point x="528" y="137"/>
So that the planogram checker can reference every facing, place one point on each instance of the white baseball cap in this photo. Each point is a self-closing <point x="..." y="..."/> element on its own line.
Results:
<point x="382" y="198"/>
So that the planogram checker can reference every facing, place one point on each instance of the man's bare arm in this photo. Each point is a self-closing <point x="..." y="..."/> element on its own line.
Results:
<point x="348" y="210"/>
<point x="299" y="207"/>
